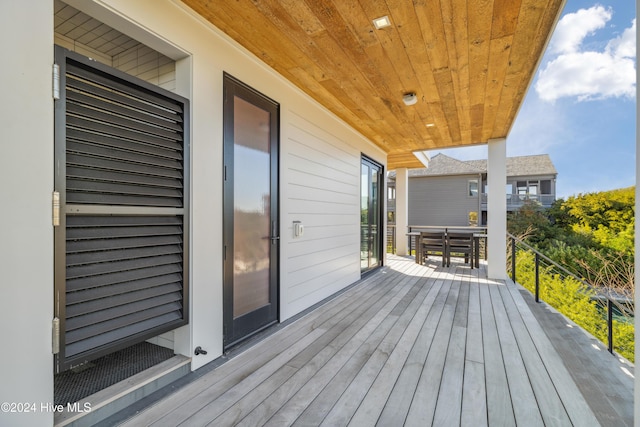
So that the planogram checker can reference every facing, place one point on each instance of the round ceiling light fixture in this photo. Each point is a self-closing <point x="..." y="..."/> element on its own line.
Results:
<point x="409" y="98"/>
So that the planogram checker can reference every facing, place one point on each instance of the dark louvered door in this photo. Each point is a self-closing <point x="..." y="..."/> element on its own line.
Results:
<point x="122" y="176"/>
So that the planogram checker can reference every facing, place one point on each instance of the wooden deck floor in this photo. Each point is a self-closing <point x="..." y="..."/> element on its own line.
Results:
<point x="409" y="345"/>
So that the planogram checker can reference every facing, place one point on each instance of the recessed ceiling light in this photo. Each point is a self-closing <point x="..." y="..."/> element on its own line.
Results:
<point x="430" y="125"/>
<point x="409" y="98"/>
<point x="382" y="22"/>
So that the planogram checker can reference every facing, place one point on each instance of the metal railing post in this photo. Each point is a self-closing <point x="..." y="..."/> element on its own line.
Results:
<point x="537" y="277"/>
<point x="513" y="259"/>
<point x="610" y="324"/>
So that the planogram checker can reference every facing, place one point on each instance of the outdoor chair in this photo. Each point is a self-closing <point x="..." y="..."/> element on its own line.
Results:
<point x="460" y="244"/>
<point x="433" y="243"/>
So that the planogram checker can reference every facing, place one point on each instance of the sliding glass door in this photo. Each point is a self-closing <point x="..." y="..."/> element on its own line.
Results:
<point x="371" y="225"/>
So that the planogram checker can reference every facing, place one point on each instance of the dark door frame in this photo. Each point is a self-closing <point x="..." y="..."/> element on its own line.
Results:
<point x="379" y="210"/>
<point x="241" y="328"/>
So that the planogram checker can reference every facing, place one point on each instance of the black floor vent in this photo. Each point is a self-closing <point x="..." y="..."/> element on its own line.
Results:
<point x="76" y="384"/>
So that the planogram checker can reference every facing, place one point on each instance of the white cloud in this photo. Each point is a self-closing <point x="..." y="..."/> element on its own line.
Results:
<point x="574" y="27"/>
<point x="588" y="74"/>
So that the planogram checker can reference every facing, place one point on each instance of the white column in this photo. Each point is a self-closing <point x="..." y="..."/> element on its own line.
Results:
<point x="402" y="210"/>
<point x="636" y="406"/>
<point x="26" y="233"/>
<point x="497" y="209"/>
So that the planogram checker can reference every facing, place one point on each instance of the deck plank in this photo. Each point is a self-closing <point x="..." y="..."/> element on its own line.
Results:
<point x="408" y="345"/>
<point x="315" y="413"/>
<point x="209" y="387"/>
<point x="577" y="408"/>
<point x="292" y="409"/>
<point x="397" y="406"/>
<point x="474" y="398"/>
<point x="522" y="396"/>
<point x="424" y="400"/>
<point x="373" y="403"/>
<point x="499" y="409"/>
<point x="550" y="404"/>
<point x="351" y="399"/>
<point x="313" y="359"/>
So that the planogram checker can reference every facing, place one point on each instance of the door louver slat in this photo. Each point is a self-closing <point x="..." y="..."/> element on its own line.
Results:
<point x="100" y="340"/>
<point x="105" y="245"/>
<point x="121" y="110"/>
<point x="106" y="81"/>
<point x="119" y="121"/>
<point x="122" y="146"/>
<point x="145" y="298"/>
<point x="106" y="291"/>
<point x="110" y="142"/>
<point x="76" y="122"/>
<point x="120" y="288"/>
<point x="121" y="277"/>
<point x="109" y="95"/>
<point x="136" y="315"/>
<point x="121" y="155"/>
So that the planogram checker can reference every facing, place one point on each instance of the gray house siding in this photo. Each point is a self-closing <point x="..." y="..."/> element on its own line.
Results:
<point x="441" y="200"/>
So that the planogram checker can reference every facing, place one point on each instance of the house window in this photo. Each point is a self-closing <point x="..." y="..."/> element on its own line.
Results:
<point x="545" y="186"/>
<point x="472" y="188"/>
<point x="521" y="188"/>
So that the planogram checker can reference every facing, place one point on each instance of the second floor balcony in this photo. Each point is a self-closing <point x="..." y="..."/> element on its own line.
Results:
<point x="515" y="201"/>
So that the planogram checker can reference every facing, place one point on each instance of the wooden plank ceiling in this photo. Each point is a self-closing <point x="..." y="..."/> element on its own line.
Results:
<point x="470" y="62"/>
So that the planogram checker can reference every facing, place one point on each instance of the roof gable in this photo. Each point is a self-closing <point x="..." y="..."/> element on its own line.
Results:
<point x="441" y="164"/>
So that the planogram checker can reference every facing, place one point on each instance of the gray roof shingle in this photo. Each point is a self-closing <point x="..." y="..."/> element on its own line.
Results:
<point x="442" y="164"/>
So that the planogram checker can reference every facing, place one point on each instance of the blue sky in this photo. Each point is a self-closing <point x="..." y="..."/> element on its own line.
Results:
<point x="581" y="106"/>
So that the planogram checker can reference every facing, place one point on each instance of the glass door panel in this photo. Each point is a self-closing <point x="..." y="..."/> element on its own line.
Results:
<point x="370" y="215"/>
<point x="251" y="194"/>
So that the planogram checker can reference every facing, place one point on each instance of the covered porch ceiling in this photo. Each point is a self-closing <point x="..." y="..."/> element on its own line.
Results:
<point x="469" y="62"/>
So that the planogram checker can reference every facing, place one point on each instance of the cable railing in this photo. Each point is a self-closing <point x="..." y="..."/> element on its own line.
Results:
<point x="391" y="238"/>
<point x="574" y="297"/>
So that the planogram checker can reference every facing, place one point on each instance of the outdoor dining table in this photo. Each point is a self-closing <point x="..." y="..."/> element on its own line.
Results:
<point x="476" y="246"/>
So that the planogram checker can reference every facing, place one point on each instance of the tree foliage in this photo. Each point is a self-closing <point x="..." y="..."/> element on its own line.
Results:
<point x="591" y="235"/>
<point x="607" y="217"/>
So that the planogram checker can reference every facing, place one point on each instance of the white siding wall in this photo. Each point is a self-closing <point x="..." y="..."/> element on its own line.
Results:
<point x="441" y="200"/>
<point x="321" y="188"/>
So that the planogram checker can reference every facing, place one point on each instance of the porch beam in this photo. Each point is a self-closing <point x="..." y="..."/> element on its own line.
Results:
<point x="497" y="209"/>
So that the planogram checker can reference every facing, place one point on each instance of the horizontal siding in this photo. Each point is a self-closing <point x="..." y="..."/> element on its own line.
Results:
<point x="441" y="201"/>
<point x="321" y="187"/>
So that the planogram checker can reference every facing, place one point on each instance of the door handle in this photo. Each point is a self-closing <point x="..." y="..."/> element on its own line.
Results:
<point x="274" y="232"/>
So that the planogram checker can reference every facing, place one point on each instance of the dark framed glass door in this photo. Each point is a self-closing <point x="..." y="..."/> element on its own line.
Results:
<point x="251" y="226"/>
<point x="371" y="225"/>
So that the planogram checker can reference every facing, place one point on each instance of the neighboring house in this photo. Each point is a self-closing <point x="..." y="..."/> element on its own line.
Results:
<point x="453" y="192"/>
